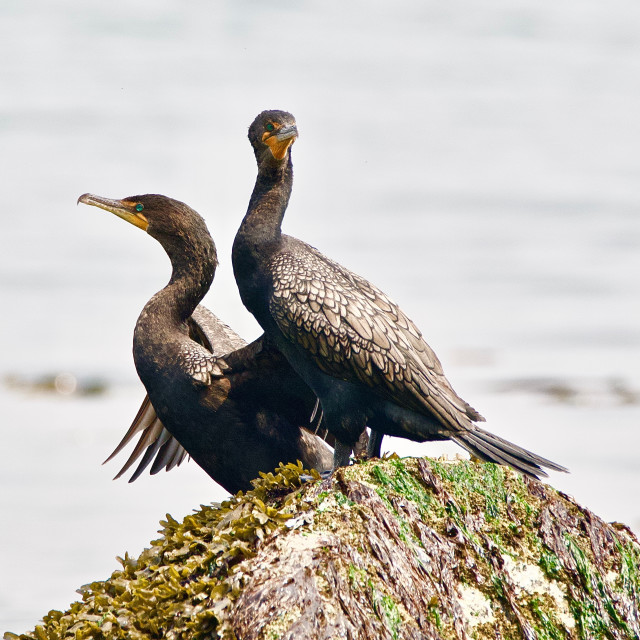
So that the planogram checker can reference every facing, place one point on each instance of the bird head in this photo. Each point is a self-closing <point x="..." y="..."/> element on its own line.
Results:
<point x="271" y="135"/>
<point x="156" y="214"/>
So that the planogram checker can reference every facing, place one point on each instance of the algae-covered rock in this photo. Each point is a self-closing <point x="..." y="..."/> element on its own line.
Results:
<point x="391" y="548"/>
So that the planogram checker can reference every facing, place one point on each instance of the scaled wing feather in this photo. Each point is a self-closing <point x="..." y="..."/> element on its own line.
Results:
<point x="353" y="331"/>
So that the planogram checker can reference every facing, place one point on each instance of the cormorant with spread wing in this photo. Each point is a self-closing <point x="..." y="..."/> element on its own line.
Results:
<point x="235" y="416"/>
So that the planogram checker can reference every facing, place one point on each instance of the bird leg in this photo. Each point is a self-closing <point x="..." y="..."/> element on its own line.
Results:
<point x="375" y="444"/>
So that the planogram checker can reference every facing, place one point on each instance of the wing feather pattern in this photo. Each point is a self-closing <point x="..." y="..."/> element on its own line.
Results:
<point x="354" y="332"/>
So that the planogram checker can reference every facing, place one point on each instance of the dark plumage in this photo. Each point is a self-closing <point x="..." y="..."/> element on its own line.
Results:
<point x="155" y="443"/>
<point x="366" y="361"/>
<point x="234" y="416"/>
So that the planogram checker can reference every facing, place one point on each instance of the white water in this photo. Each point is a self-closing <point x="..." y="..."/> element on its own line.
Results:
<point x="477" y="162"/>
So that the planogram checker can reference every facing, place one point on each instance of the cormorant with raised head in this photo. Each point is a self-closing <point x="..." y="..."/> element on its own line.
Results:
<point x="364" y="358"/>
<point x="234" y="416"/>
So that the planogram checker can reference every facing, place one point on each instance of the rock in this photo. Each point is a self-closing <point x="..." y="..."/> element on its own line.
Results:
<point x="388" y="549"/>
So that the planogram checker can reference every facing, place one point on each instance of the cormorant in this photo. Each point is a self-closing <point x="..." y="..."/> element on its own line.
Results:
<point x="235" y="416"/>
<point x="364" y="358"/>
<point x="155" y="443"/>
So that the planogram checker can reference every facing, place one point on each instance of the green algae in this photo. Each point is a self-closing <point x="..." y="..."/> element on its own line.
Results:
<point x="550" y="564"/>
<point x="404" y="483"/>
<point x="400" y="486"/>
<point x="595" y="614"/>
<point x="488" y="486"/>
<point x="486" y="518"/>
<point x="342" y="500"/>
<point x="545" y="626"/>
<point x="510" y="513"/>
<point x="391" y="615"/>
<point x="630" y="568"/>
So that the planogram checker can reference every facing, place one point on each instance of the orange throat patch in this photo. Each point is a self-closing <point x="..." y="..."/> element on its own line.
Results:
<point x="277" y="147"/>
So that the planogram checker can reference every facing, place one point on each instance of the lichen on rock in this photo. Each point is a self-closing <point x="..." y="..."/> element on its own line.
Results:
<point x="393" y="548"/>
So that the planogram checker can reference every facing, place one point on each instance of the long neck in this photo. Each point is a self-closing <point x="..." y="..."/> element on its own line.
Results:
<point x="260" y="233"/>
<point x="194" y="263"/>
<point x="269" y="201"/>
<point x="193" y="267"/>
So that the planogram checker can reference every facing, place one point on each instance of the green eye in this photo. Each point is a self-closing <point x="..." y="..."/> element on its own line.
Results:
<point x="269" y="127"/>
<point x="139" y="207"/>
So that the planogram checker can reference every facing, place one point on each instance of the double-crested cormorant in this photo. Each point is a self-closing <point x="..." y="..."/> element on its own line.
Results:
<point x="235" y="416"/>
<point x="366" y="361"/>
<point x="155" y="442"/>
<point x="158" y="448"/>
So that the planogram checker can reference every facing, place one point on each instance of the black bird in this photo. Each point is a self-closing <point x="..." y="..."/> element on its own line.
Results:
<point x="235" y="416"/>
<point x="158" y="448"/>
<point x="155" y="442"/>
<point x="366" y="361"/>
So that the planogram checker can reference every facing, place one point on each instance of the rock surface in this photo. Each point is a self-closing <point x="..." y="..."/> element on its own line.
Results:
<point x="388" y="549"/>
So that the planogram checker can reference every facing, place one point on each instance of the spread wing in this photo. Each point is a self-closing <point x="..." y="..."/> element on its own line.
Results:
<point x="354" y="332"/>
<point x="155" y="444"/>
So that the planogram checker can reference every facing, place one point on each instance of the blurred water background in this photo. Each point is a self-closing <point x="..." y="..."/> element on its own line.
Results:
<point x="476" y="160"/>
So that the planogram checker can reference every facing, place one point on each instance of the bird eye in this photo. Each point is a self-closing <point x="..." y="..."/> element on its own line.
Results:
<point x="269" y="127"/>
<point x="139" y="207"/>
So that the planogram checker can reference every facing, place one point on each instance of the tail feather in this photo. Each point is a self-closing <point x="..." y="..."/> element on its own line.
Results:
<point x="492" y="448"/>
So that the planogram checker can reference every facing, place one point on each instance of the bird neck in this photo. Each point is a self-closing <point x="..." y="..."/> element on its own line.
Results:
<point x="260" y="234"/>
<point x="269" y="201"/>
<point x="193" y="268"/>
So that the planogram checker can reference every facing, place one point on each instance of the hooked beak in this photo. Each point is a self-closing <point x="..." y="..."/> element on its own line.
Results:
<point x="280" y="141"/>
<point x="122" y="208"/>
<point x="286" y="133"/>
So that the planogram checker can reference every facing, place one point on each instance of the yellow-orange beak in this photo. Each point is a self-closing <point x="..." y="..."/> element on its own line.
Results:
<point x="122" y="208"/>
